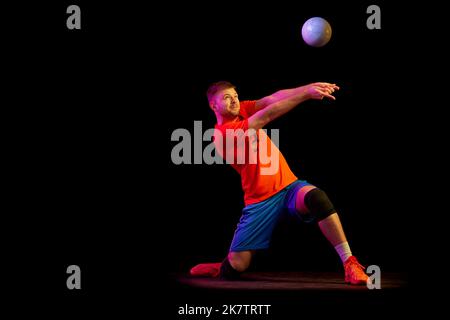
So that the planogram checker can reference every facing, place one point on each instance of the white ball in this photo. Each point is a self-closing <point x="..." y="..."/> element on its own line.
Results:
<point x="316" y="32"/>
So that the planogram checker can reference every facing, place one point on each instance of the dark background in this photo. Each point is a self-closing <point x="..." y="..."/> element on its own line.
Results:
<point x="93" y="110"/>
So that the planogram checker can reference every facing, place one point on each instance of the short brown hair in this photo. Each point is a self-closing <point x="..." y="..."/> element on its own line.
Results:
<point x="218" y="86"/>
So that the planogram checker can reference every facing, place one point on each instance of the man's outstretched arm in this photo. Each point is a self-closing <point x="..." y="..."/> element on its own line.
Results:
<point x="289" y="93"/>
<point x="270" y="112"/>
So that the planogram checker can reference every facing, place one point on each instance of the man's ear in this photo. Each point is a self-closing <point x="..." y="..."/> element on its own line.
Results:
<point x="212" y="105"/>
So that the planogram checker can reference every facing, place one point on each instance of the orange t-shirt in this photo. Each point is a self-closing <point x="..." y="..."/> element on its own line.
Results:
<point x="262" y="167"/>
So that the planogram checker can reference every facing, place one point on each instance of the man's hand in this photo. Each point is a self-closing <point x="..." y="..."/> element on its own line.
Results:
<point x="319" y="90"/>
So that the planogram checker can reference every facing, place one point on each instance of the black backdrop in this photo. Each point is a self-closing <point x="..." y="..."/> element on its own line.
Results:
<point x="94" y="110"/>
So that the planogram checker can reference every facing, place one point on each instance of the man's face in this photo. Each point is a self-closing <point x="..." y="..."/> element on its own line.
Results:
<point x="226" y="103"/>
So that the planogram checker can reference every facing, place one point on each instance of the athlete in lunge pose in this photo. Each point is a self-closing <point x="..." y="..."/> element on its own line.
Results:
<point x="269" y="193"/>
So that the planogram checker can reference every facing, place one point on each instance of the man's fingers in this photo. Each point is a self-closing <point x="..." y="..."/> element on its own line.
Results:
<point x="326" y="85"/>
<point x="324" y="93"/>
<point x="333" y="86"/>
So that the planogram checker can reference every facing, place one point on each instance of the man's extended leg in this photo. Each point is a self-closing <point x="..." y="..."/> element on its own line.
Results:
<point x="311" y="200"/>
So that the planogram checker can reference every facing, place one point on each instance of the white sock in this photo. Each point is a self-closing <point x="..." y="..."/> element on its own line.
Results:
<point x="343" y="249"/>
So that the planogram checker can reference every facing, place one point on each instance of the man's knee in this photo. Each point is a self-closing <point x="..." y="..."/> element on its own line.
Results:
<point x="234" y="264"/>
<point x="240" y="261"/>
<point x="319" y="204"/>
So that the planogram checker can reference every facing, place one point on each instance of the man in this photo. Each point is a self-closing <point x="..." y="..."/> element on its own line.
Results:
<point x="268" y="194"/>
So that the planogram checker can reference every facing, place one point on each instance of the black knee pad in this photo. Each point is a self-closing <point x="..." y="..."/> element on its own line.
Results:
<point x="318" y="204"/>
<point x="227" y="272"/>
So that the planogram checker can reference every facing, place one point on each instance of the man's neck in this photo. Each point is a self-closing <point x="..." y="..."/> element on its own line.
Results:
<point x="222" y="120"/>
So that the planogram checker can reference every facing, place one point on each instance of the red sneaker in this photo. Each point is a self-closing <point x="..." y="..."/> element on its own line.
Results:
<point x="354" y="272"/>
<point x="206" y="269"/>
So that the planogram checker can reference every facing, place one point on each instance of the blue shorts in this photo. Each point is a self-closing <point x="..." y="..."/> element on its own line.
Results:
<point x="258" y="220"/>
